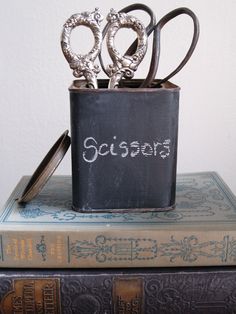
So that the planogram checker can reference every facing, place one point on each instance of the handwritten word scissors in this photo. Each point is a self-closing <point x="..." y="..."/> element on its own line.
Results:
<point x="123" y="66"/>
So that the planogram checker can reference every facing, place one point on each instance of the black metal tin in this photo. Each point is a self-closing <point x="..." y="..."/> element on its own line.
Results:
<point x="124" y="147"/>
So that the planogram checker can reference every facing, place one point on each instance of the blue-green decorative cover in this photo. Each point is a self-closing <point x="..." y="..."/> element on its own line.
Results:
<point x="201" y="230"/>
<point x="201" y="197"/>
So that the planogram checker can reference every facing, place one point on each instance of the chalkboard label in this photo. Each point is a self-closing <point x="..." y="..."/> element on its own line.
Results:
<point x="124" y="147"/>
<point x="92" y="149"/>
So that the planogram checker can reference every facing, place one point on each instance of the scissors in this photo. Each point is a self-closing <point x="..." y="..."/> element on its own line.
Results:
<point x="156" y="45"/>
<point x="154" y="64"/>
<point x="123" y="66"/>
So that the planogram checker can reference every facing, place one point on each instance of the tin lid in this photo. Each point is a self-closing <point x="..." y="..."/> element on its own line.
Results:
<point x="46" y="168"/>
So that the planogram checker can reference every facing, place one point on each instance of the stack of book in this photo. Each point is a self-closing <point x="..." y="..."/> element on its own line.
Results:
<point x="55" y="260"/>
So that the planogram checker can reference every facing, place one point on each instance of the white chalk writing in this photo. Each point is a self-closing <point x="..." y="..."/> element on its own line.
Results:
<point x="125" y="149"/>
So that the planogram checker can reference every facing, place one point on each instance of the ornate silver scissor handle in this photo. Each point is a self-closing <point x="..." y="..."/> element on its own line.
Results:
<point x="124" y="66"/>
<point x="83" y="65"/>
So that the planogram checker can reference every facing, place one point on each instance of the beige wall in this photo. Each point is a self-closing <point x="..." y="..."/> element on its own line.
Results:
<point x="34" y="78"/>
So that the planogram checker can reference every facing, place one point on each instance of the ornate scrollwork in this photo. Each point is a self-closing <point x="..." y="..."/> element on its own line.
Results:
<point x="124" y="66"/>
<point x="83" y="65"/>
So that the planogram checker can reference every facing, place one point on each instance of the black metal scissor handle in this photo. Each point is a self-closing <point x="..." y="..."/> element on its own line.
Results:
<point x="156" y="45"/>
<point x="156" y="29"/>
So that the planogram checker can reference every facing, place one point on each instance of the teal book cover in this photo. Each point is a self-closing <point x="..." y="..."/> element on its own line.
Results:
<point x="45" y="232"/>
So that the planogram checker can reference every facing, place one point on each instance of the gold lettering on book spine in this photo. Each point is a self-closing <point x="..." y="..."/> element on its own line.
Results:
<point x="128" y="296"/>
<point x="33" y="296"/>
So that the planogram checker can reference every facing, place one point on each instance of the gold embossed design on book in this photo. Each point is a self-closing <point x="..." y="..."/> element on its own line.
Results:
<point x="33" y="296"/>
<point x="128" y="295"/>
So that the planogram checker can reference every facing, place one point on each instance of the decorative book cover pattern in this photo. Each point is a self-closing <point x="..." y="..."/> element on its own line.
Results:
<point x="47" y="233"/>
<point x="139" y="291"/>
<point x="200" y="197"/>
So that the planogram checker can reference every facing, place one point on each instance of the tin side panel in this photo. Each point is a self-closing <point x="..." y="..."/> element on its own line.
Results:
<point x="124" y="148"/>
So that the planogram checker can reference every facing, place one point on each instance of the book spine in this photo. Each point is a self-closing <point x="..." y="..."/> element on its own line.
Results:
<point x="140" y="292"/>
<point x="117" y="248"/>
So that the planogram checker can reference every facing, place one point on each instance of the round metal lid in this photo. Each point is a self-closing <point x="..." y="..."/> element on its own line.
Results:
<point x="46" y="168"/>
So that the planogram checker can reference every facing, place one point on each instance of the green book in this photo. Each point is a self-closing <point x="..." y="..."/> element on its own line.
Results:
<point x="46" y="233"/>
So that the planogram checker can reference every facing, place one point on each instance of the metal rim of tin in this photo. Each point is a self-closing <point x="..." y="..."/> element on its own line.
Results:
<point x="130" y="86"/>
<point x="46" y="168"/>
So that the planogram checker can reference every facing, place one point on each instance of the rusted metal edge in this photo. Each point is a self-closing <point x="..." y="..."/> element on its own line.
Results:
<point x="46" y="168"/>
<point x="130" y="86"/>
<point x="124" y="210"/>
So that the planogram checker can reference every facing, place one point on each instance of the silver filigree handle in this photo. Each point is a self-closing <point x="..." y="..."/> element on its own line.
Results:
<point x="83" y="65"/>
<point x="124" y="66"/>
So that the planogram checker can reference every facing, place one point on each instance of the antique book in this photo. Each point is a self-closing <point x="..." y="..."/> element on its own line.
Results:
<point x="45" y="232"/>
<point x="206" y="290"/>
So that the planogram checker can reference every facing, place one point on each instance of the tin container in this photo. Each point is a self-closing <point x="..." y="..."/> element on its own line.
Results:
<point x="124" y="147"/>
